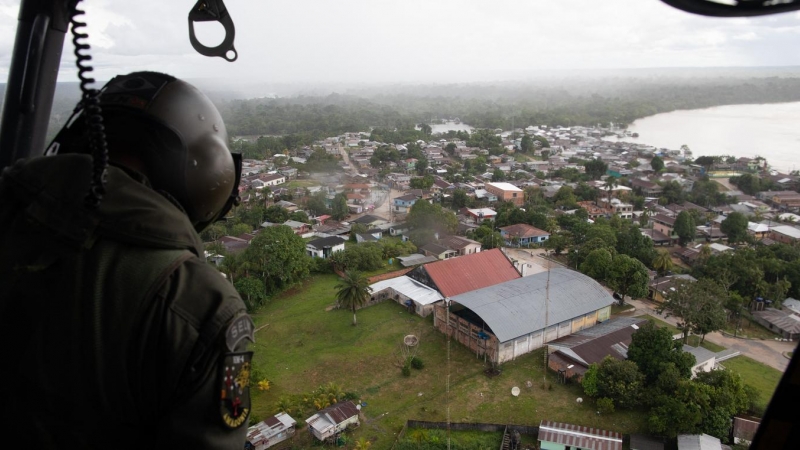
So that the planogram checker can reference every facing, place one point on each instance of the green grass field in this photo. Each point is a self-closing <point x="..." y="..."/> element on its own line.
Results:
<point x="303" y="343"/>
<point x="760" y="376"/>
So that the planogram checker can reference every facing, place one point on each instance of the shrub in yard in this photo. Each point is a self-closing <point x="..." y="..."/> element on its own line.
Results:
<point x="605" y="405"/>
<point x="406" y="371"/>
<point x="417" y="363"/>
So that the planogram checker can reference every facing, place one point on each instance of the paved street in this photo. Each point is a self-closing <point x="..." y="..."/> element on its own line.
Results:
<point x="765" y="351"/>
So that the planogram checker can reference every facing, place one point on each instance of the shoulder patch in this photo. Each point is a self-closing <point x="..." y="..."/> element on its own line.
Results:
<point x="239" y="328"/>
<point x="234" y="404"/>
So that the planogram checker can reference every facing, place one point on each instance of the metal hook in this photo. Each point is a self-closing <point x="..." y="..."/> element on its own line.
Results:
<point x="208" y="11"/>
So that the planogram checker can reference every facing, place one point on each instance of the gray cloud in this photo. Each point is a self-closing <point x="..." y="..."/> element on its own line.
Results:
<point x="422" y="41"/>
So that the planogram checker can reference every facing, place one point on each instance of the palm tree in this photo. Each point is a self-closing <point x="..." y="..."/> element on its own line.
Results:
<point x="353" y="291"/>
<point x="609" y="185"/>
<point x="705" y="252"/>
<point x="663" y="264"/>
<point x="362" y="443"/>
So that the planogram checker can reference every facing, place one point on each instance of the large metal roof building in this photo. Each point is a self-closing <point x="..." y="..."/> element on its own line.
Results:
<point x="512" y="318"/>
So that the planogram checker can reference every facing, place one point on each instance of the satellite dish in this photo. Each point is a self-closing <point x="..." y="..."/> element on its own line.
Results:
<point x="358" y="407"/>
<point x="515" y="391"/>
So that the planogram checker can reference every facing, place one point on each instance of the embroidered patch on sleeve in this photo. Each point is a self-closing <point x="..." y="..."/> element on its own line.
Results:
<point x="239" y="328"/>
<point x="235" y="388"/>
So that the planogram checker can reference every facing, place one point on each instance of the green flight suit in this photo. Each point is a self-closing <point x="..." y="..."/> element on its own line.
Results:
<point x="114" y="331"/>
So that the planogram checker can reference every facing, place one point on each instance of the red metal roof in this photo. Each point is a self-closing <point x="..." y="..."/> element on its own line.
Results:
<point x="470" y="272"/>
<point x="579" y="436"/>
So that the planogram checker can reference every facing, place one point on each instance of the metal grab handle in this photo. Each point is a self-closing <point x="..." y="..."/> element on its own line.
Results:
<point x="33" y="63"/>
<point x="208" y="11"/>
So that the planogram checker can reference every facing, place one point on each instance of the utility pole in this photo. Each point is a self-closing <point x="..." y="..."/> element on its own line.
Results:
<point x="546" y="317"/>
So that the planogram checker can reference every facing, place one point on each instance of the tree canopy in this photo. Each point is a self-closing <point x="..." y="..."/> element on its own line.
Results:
<point x="700" y="305"/>
<point x="685" y="227"/>
<point x="278" y="256"/>
<point x="735" y="227"/>
<point x="653" y="349"/>
<point x="628" y="276"/>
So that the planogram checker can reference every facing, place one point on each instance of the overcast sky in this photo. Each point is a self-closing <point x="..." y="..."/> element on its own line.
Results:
<point x="417" y="41"/>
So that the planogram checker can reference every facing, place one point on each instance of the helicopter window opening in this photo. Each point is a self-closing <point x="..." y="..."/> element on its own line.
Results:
<point x="209" y="33"/>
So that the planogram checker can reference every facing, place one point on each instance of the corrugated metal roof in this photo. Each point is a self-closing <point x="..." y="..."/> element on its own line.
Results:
<point x="517" y="307"/>
<point x="579" y="436"/>
<point x="698" y="442"/>
<point x="332" y="415"/>
<point x="269" y="427"/>
<point x="416" y="259"/>
<point x="701" y="355"/>
<point x="466" y="273"/>
<point x="786" y="322"/>
<point x="410" y="288"/>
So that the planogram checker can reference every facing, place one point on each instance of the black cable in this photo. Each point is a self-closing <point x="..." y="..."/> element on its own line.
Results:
<point x="90" y="101"/>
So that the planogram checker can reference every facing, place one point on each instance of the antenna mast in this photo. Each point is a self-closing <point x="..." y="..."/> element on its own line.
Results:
<point x="447" y="303"/>
<point x="546" y="317"/>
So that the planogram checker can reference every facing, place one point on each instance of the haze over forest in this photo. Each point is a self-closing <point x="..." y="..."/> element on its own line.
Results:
<point x="556" y="98"/>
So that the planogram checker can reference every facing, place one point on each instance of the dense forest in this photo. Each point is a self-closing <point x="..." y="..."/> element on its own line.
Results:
<point x="498" y="106"/>
<point x="619" y="100"/>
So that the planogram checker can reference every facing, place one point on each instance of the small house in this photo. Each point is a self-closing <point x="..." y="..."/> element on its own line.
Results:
<point x="269" y="432"/>
<point x="562" y="436"/>
<point x="698" y="442"/>
<point x="329" y="422"/>
<point x="325" y="247"/>
<point x="523" y="234"/>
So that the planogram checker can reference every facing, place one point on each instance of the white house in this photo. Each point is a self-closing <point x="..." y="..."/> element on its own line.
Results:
<point x="325" y="247"/>
<point x="329" y="422"/>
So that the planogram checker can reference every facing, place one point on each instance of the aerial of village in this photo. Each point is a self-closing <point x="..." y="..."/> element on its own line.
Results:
<point x="531" y="288"/>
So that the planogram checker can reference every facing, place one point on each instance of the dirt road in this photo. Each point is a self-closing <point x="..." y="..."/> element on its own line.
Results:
<point x="383" y="209"/>
<point x="764" y="351"/>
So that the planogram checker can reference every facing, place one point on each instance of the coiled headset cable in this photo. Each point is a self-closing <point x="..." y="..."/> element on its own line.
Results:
<point x="90" y="102"/>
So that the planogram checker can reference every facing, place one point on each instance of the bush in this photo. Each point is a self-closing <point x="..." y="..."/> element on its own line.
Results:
<point x="322" y="265"/>
<point x="406" y="371"/>
<point x="605" y="405"/>
<point x="417" y="363"/>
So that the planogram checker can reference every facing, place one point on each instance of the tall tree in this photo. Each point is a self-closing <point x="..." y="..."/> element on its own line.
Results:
<point x="700" y="305"/>
<point x="735" y="227"/>
<point x="596" y="168"/>
<point x="597" y="264"/>
<point x="278" y="255"/>
<point x="628" y="277"/>
<point x="653" y="349"/>
<point x="657" y="163"/>
<point x="609" y="185"/>
<point x="685" y="227"/>
<point x="339" y="208"/>
<point x="526" y="144"/>
<point x="353" y="291"/>
<point x="621" y="381"/>
<point x="252" y="292"/>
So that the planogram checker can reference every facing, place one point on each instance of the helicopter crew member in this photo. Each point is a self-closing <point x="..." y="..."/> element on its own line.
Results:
<point x="114" y="331"/>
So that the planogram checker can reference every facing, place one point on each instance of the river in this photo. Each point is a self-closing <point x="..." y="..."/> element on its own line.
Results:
<point x="447" y="126"/>
<point x="771" y="131"/>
